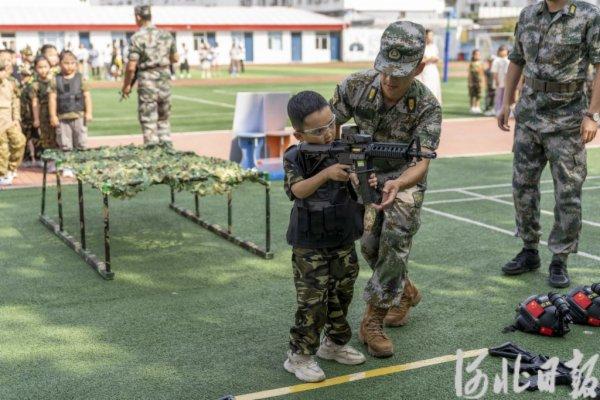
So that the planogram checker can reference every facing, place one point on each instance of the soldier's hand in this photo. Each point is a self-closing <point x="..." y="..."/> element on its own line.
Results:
<point x="503" y="118"/>
<point x="125" y="91"/>
<point x="389" y="192"/>
<point x="588" y="129"/>
<point x="373" y="180"/>
<point x="354" y="179"/>
<point x="338" y="172"/>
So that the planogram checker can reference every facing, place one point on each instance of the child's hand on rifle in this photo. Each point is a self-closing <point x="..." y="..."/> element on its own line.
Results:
<point x="373" y="181"/>
<point x="338" y="172"/>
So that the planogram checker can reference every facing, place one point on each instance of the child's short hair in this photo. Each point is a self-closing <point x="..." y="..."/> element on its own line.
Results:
<point x="302" y="105"/>
<point x="39" y="59"/>
<point x="47" y="47"/>
<point x="67" y="53"/>
<point x="473" y="52"/>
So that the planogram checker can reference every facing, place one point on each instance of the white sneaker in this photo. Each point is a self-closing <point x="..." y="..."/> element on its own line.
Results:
<point x="304" y="367"/>
<point x="477" y="110"/>
<point x="343" y="354"/>
<point x="12" y="174"/>
<point x="6" y="181"/>
<point x="67" y="173"/>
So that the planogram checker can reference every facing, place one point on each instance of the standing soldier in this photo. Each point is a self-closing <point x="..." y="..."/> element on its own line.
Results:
<point x="152" y="51"/>
<point x="389" y="104"/>
<point x="12" y="141"/>
<point x="555" y="40"/>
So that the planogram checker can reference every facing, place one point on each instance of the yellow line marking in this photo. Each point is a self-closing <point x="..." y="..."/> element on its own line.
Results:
<point x="358" y="376"/>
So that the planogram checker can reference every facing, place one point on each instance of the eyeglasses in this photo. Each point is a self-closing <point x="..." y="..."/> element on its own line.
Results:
<point x="322" y="129"/>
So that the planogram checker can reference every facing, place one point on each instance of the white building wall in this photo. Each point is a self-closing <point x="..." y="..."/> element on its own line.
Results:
<point x="29" y="38"/>
<point x="310" y="53"/>
<point x="368" y="37"/>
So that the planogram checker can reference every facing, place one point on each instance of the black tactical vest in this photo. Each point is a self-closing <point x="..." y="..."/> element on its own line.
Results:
<point x="69" y="96"/>
<point x="330" y="217"/>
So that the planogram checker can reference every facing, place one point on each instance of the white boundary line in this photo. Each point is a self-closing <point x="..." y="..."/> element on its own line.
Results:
<point x="202" y="101"/>
<point x="510" y="203"/>
<point x="498" y="185"/>
<point x="499" y="196"/>
<point x="497" y="229"/>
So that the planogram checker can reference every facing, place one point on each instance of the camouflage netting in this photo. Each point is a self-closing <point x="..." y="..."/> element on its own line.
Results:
<point x="124" y="171"/>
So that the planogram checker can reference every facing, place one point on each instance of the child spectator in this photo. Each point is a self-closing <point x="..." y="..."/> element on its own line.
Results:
<point x="32" y="150"/>
<point x="70" y="105"/>
<point x="12" y="141"/>
<point x="475" y="81"/>
<point x="490" y="89"/>
<point x="500" y="69"/>
<point x="39" y="103"/>
<point x="49" y="51"/>
<point x="184" y="66"/>
<point x="324" y="223"/>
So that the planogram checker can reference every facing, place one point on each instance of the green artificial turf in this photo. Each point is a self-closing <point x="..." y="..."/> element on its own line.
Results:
<point x="191" y="316"/>
<point x="190" y="112"/>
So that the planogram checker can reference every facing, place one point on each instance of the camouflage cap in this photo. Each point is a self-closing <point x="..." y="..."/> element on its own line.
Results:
<point x="143" y="11"/>
<point x="402" y="48"/>
<point x="27" y="51"/>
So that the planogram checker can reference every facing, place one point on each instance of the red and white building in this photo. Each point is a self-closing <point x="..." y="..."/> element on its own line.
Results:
<point x="268" y="34"/>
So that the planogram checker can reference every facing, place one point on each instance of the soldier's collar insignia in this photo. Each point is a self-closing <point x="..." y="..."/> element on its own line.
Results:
<point x="394" y="54"/>
<point x="411" y="102"/>
<point x="572" y="9"/>
<point x="372" y="94"/>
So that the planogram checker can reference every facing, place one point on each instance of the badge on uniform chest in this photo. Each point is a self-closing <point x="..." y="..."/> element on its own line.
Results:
<point x="411" y="103"/>
<point x="372" y="94"/>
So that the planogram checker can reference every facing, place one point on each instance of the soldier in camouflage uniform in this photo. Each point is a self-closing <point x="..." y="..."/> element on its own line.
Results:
<point x="389" y="104"/>
<point x="152" y="52"/>
<point x="554" y="43"/>
<point x="324" y="223"/>
<point x="12" y="141"/>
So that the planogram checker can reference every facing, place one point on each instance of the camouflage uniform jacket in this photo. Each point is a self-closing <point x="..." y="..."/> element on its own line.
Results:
<point x="417" y="114"/>
<point x="557" y="49"/>
<point x="10" y="106"/>
<point x="152" y="48"/>
<point x="26" y="111"/>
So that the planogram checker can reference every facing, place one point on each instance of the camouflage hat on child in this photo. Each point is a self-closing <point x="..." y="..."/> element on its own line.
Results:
<point x="402" y="48"/>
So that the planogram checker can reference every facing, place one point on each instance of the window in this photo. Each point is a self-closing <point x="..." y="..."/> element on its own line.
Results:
<point x="206" y="37"/>
<point x="275" y="41"/>
<point x="8" y="41"/>
<point x="322" y="40"/>
<point x="55" y="38"/>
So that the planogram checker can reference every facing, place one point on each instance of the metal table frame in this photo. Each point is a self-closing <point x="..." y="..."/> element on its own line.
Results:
<point x="103" y="267"/>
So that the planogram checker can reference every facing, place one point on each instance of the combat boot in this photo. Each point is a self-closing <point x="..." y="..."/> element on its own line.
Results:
<point x="371" y="332"/>
<point x="558" y="275"/>
<point x="527" y="260"/>
<point x="398" y="316"/>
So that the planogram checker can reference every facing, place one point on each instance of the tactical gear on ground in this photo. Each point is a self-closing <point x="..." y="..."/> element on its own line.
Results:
<point x="398" y="316"/>
<point x="371" y="332"/>
<point x="527" y="260"/>
<point x="304" y="367"/>
<point x="546" y="315"/>
<point x="584" y="302"/>
<point x="558" y="275"/>
<point x="348" y="355"/>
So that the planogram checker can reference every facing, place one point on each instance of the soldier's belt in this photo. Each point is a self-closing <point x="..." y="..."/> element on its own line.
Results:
<point x="539" y="85"/>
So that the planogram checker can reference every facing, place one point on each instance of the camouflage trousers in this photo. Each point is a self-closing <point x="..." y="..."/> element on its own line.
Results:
<point x="567" y="156"/>
<point x="154" y="109"/>
<point x="324" y="280"/>
<point x="386" y="244"/>
<point x="47" y="131"/>
<point x="12" y="149"/>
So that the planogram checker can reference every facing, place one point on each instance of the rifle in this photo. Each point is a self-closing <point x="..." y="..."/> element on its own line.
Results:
<point x="532" y="364"/>
<point x="358" y="150"/>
